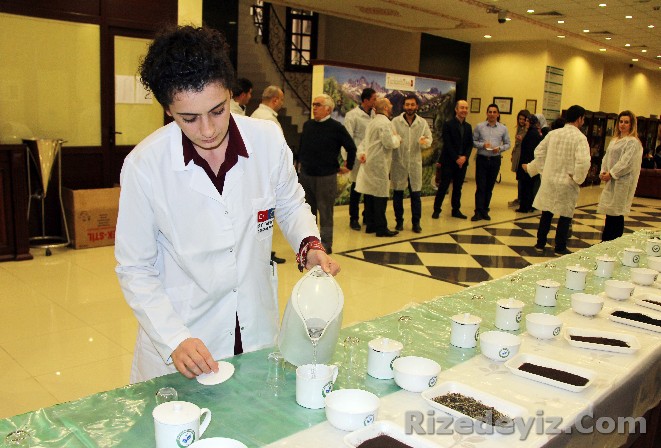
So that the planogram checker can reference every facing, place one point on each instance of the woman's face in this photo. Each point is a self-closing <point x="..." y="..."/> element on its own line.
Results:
<point x="624" y="125"/>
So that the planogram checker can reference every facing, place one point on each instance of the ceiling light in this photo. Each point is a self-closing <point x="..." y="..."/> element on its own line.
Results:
<point x="627" y="45"/>
<point x="608" y="38"/>
<point x="635" y="59"/>
<point x="643" y="51"/>
<point x="508" y="18"/>
<point x="487" y="36"/>
<point x="561" y="37"/>
<point x="586" y="31"/>
<point x="530" y="11"/>
<point x="602" y="49"/>
<point x="628" y="17"/>
<point x="561" y="21"/>
<point x="603" y="5"/>
<point x="650" y="26"/>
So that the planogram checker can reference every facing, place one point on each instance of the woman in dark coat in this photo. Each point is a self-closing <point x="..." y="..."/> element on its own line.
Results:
<point x="526" y="183"/>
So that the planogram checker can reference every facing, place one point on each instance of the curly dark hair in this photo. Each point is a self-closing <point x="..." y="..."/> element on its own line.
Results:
<point x="185" y="58"/>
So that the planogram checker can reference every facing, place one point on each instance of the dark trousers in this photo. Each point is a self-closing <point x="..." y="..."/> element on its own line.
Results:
<point x="450" y="172"/>
<point x="561" y="231"/>
<point x="375" y="213"/>
<point x="614" y="227"/>
<point x="526" y="191"/>
<point x="486" y="174"/>
<point x="320" y="192"/>
<point x="354" y="202"/>
<point x="398" y="205"/>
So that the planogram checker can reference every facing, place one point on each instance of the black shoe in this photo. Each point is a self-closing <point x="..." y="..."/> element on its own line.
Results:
<point x="369" y="229"/>
<point x="539" y="250"/>
<point x="277" y="259"/>
<point x="387" y="233"/>
<point x="521" y="210"/>
<point x="564" y="251"/>
<point x="436" y="215"/>
<point x="486" y="216"/>
<point x="354" y="224"/>
<point x="399" y="226"/>
<point x="458" y="214"/>
<point x="417" y="228"/>
<point x="476" y="217"/>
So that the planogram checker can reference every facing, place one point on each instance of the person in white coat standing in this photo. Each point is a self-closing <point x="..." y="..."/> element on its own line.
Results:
<point x="564" y="158"/>
<point x="407" y="162"/>
<point x="620" y="169"/>
<point x="197" y="207"/>
<point x="374" y="177"/>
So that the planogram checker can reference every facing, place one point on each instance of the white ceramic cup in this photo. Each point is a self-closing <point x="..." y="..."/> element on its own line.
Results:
<point x="630" y="256"/>
<point x="546" y="292"/>
<point x="311" y="392"/>
<point x="576" y="277"/>
<point x="604" y="266"/>
<point x="177" y="423"/>
<point x="465" y="330"/>
<point x="508" y="314"/>
<point x="382" y="352"/>
<point x="653" y="247"/>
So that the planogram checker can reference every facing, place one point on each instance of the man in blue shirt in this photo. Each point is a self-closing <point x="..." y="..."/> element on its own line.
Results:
<point x="491" y="139"/>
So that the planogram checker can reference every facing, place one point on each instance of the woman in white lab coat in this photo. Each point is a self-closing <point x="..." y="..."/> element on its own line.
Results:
<point x="197" y="208"/>
<point x="620" y="169"/>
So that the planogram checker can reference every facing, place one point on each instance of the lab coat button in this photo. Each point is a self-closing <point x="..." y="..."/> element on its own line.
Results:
<point x="234" y="290"/>
<point x="243" y="328"/>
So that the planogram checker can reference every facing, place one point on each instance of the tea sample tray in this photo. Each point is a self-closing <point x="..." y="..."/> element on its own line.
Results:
<point x="386" y="428"/>
<point x="560" y="374"/>
<point x="604" y="340"/>
<point x="652" y="301"/>
<point x="634" y="319"/>
<point x="470" y="395"/>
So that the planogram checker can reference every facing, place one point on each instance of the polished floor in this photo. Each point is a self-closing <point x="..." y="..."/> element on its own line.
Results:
<point x="68" y="333"/>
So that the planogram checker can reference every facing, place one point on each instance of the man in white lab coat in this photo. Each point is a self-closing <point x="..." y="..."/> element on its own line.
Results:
<point x="196" y="215"/>
<point x="564" y="158"/>
<point x="241" y="95"/>
<point x="407" y="162"/>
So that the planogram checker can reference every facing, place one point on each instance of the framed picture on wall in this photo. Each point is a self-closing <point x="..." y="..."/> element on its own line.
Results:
<point x="531" y="106"/>
<point x="504" y="104"/>
<point x="475" y="105"/>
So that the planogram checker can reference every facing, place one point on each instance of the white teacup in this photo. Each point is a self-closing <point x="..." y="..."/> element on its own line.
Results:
<point x="546" y="292"/>
<point x="508" y="314"/>
<point x="576" y="276"/>
<point x="604" y="266"/>
<point x="630" y="256"/>
<point x="465" y="330"/>
<point x="313" y="383"/>
<point x="177" y="423"/>
<point x="653" y="247"/>
<point x="382" y="352"/>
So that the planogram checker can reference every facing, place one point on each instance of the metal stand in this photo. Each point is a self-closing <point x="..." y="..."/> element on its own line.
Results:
<point x="43" y="153"/>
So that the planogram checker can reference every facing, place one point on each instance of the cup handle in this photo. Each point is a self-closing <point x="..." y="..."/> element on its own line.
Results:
<point x="206" y="421"/>
<point x="335" y="371"/>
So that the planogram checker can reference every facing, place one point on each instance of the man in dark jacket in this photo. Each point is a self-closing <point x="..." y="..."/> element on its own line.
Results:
<point x="457" y="146"/>
<point x="318" y="154"/>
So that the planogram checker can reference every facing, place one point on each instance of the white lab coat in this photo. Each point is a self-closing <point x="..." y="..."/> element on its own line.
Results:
<point x="622" y="160"/>
<point x="407" y="160"/>
<point x="190" y="259"/>
<point x="378" y="145"/>
<point x="264" y="112"/>
<point x="356" y="121"/>
<point x="564" y="156"/>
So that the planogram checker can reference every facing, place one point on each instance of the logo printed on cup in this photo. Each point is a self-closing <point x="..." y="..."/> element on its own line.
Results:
<point x="432" y="381"/>
<point x="186" y="438"/>
<point x="504" y="352"/>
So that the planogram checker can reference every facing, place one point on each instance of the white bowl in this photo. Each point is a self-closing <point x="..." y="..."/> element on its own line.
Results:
<point x="218" y="442"/>
<point x="644" y="276"/>
<point x="499" y="345"/>
<point x="350" y="409"/>
<point x="543" y="326"/>
<point x="654" y="263"/>
<point x="414" y="373"/>
<point x="586" y="304"/>
<point x="618" y="289"/>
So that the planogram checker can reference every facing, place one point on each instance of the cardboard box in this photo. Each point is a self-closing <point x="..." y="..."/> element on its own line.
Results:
<point x="91" y="216"/>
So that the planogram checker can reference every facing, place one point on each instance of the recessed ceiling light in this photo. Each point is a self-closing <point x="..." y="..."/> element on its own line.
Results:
<point x="586" y="31"/>
<point x="561" y="37"/>
<point x="508" y="18"/>
<point x="603" y="5"/>
<point x="635" y="59"/>
<point x="650" y="26"/>
<point x="602" y="49"/>
<point x="628" y="17"/>
<point x="643" y="51"/>
<point x="608" y="38"/>
<point x="530" y="11"/>
<point x="627" y="45"/>
<point x="487" y="36"/>
<point x="561" y="21"/>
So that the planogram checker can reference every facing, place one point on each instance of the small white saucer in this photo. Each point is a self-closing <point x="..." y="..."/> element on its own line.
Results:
<point x="225" y="372"/>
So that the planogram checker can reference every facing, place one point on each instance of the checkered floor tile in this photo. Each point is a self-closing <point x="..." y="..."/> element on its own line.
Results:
<point x="474" y="255"/>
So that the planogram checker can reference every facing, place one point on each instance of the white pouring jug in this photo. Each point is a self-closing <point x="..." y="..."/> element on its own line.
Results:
<point x="314" y="310"/>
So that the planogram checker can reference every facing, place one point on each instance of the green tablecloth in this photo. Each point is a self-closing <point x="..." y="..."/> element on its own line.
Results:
<point x="245" y="407"/>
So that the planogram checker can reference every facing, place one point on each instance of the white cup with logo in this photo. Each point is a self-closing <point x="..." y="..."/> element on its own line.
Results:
<point x="382" y="352"/>
<point x="653" y="247"/>
<point x="604" y="266"/>
<point x="508" y="314"/>
<point x="630" y="256"/>
<point x="177" y="423"/>
<point x="313" y="383"/>
<point x="465" y="330"/>
<point x="546" y="292"/>
<point x="576" y="277"/>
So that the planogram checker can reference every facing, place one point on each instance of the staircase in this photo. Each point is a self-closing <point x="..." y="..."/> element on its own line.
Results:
<point x="255" y="63"/>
